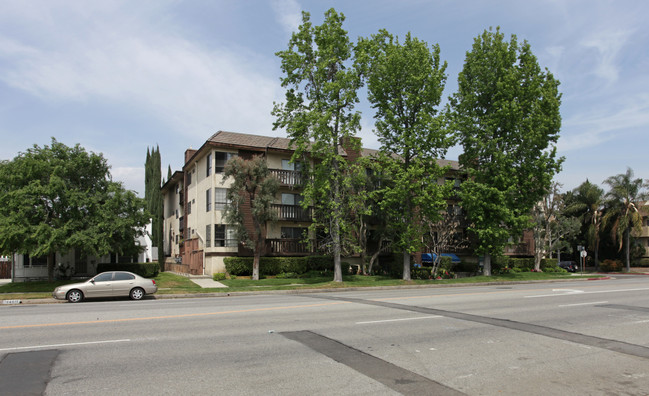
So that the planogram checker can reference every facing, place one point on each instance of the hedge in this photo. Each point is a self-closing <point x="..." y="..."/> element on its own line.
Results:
<point x="643" y="262"/>
<point x="242" y="266"/>
<point x="147" y="270"/>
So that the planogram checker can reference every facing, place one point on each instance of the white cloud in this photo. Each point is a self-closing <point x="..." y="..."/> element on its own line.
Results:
<point x="608" y="44"/>
<point x="131" y="177"/>
<point x="181" y="83"/>
<point x="596" y="127"/>
<point x="288" y="13"/>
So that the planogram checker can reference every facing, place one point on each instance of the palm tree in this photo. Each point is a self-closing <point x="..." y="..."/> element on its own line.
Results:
<point x="623" y="213"/>
<point x="586" y="202"/>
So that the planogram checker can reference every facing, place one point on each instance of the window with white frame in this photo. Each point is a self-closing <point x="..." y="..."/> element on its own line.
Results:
<point x="208" y="200"/>
<point x="225" y="236"/>
<point x="220" y="198"/>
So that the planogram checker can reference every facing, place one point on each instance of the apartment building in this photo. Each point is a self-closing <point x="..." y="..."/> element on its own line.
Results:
<point x="196" y="236"/>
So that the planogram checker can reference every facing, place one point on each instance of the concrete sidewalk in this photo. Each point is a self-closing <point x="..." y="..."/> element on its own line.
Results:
<point x="205" y="281"/>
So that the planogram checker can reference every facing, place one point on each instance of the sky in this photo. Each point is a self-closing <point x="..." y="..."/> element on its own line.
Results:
<point x="118" y="77"/>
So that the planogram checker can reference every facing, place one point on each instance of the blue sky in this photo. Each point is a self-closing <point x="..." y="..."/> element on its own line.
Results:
<point x="120" y="76"/>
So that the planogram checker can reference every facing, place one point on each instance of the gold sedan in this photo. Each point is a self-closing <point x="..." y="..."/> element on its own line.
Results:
<point x="107" y="284"/>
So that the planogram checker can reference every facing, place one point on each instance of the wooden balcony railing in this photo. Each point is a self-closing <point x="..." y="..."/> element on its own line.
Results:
<point x="288" y="246"/>
<point x="292" y="212"/>
<point x="287" y="177"/>
<point x="520" y="248"/>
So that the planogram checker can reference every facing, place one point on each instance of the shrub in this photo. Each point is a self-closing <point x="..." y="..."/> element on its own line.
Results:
<point x="420" y="273"/>
<point x="219" y="276"/>
<point x="643" y="262"/>
<point x="524" y="264"/>
<point x="549" y="264"/>
<point x="609" y="265"/>
<point x="286" y="275"/>
<point x="242" y="266"/>
<point x="465" y="266"/>
<point x="239" y="266"/>
<point x="445" y="263"/>
<point x="320" y="263"/>
<point x="147" y="270"/>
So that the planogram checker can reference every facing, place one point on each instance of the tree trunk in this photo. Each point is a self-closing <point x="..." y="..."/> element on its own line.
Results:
<point x="627" y="249"/>
<point x="255" y="265"/>
<point x="406" y="265"/>
<point x="487" y="265"/>
<point x="50" y="266"/>
<point x="335" y="236"/>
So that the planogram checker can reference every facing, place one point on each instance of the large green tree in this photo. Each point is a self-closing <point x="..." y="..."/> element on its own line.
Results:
<point x="251" y="193"/>
<point x="506" y="114"/>
<point x="56" y="198"/>
<point x="318" y="114"/>
<point x="622" y="212"/>
<point x="405" y="82"/>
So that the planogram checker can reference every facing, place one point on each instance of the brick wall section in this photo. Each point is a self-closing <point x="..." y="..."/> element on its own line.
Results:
<point x="352" y="146"/>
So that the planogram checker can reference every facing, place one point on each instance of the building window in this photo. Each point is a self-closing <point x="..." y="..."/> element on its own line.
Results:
<point x="189" y="178"/>
<point x="287" y="165"/>
<point x="208" y="235"/>
<point x="220" y="159"/>
<point x="294" y="232"/>
<point x="224" y="236"/>
<point x="208" y="199"/>
<point x="291" y="199"/>
<point x="189" y="207"/>
<point x="34" y="261"/>
<point x="208" y="171"/>
<point x="220" y="198"/>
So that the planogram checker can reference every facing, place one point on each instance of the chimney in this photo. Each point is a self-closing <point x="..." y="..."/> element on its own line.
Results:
<point x="189" y="153"/>
<point x="352" y="146"/>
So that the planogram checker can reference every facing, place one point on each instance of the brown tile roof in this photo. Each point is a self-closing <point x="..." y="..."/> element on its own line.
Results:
<point x="277" y="143"/>
<point x="253" y="141"/>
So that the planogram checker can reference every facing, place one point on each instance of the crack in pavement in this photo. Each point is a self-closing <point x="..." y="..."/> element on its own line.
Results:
<point x="598" y="342"/>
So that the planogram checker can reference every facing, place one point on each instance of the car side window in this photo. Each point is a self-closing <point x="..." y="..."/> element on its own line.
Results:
<point x="105" y="277"/>
<point x="120" y="276"/>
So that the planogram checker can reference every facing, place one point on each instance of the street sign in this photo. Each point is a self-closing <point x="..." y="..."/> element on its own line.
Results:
<point x="583" y="253"/>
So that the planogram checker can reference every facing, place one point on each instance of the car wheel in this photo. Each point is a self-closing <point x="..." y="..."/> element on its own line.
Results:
<point x="137" y="294"/>
<point x="74" y="296"/>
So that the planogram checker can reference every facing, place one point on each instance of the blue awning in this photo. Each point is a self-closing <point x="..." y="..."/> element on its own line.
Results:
<point x="428" y="257"/>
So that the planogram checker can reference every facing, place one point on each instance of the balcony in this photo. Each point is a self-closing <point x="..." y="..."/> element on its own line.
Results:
<point x="287" y="178"/>
<point x="522" y="248"/>
<point x="283" y="247"/>
<point x="292" y="212"/>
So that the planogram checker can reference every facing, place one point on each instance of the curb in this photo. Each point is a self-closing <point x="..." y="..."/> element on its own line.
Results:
<point x="311" y="291"/>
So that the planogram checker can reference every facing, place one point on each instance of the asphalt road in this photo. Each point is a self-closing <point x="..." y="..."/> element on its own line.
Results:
<point x="569" y="338"/>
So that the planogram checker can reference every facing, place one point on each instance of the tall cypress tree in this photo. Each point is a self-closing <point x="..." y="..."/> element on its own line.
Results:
<point x="153" y="196"/>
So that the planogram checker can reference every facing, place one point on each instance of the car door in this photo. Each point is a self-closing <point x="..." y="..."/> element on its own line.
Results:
<point x="100" y="286"/>
<point x="123" y="282"/>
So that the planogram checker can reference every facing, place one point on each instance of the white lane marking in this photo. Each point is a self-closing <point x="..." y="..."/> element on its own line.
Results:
<point x="398" y="320"/>
<point x="565" y="293"/>
<point x="63" y="345"/>
<point x="588" y="303"/>
<point x="585" y="292"/>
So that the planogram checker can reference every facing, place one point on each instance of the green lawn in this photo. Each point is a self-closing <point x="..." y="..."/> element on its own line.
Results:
<point x="169" y="283"/>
